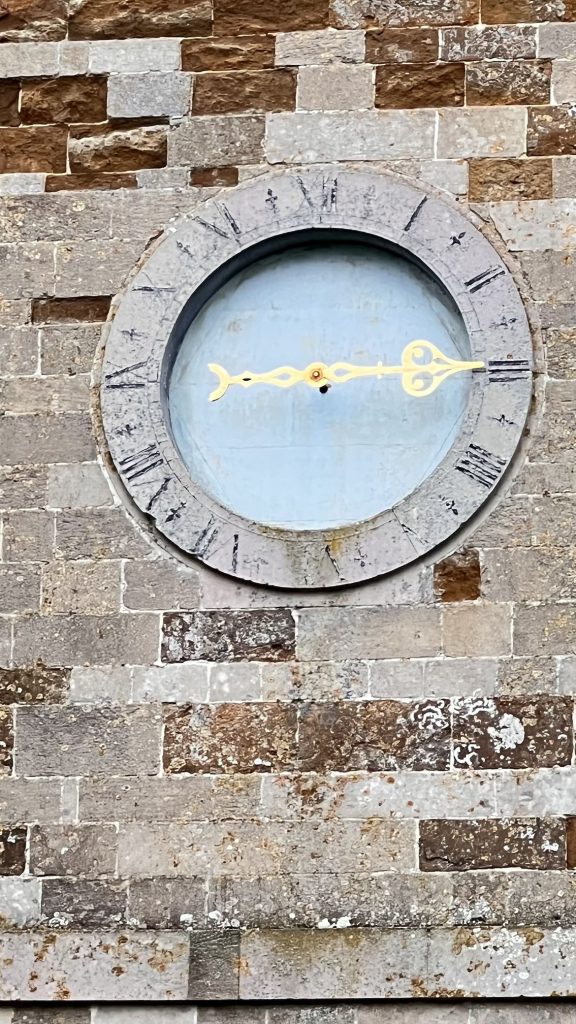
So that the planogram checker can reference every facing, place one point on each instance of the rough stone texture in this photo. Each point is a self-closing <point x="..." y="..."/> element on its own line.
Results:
<point x="107" y="19"/>
<point x="402" y="46"/>
<point x="366" y="13"/>
<point x="474" y="845"/>
<point x="245" y="16"/>
<point x="152" y="95"/>
<point x="299" y="49"/>
<point x="516" y="82"/>
<point x="238" y="636"/>
<point x="425" y="85"/>
<point x="33" y="149"/>
<point x="458" y="578"/>
<point x="551" y="131"/>
<point x="335" y="88"/>
<point x="64" y="99"/>
<point x="112" y="150"/>
<point x="22" y="20"/>
<point x="494" y="180"/>
<point x="512" y="732"/>
<point x="212" y="141"/>
<point x="486" y="43"/>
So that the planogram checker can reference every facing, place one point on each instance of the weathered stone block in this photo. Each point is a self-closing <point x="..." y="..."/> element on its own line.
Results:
<point x="150" y="95"/>
<point x="442" y="677"/>
<point x="229" y="53"/>
<point x="97" y="533"/>
<point x="168" y="903"/>
<point x="522" y="677"/>
<point x="212" y="141"/>
<point x="556" y="40"/>
<point x="30" y="800"/>
<point x="22" y="488"/>
<point x="26" y="269"/>
<point x="160" y="584"/>
<point x="244" y="92"/>
<point x="6" y="741"/>
<point x="322" y="680"/>
<point x="497" y="180"/>
<point x="378" y="135"/>
<point x="72" y="98"/>
<point x="374" y="736"/>
<point x="93" y="268"/>
<point x="68" y="348"/>
<point x="73" y="310"/>
<point x="19" y="351"/>
<point x="420" y="85"/>
<point x="524" y="575"/>
<point x="83" y="851"/>
<point x="249" y="849"/>
<point x="101" y="684"/>
<point x="19" y="588"/>
<point x="367" y="13"/>
<point x="118" y="965"/>
<point x="477" y="845"/>
<point x="335" y="87"/>
<point x="299" y="49"/>
<point x="28" y="536"/>
<point x="21" y="184"/>
<point x="402" y="46"/>
<point x="551" y="131"/>
<point x="93" y="149"/>
<point x="230" y="738"/>
<point x="33" y="20"/>
<point x="337" y="634"/>
<point x="19" y="900"/>
<point x="477" y="630"/>
<point x="39" y="148"/>
<point x="544" y="629"/>
<point x="36" y="685"/>
<point x="214" y="960"/>
<point x="168" y="799"/>
<point x="12" y="851"/>
<point x="481" y="132"/>
<point x="80" y="485"/>
<point x="235" y="682"/>
<point x="512" y="732"/>
<point x="9" y="102"/>
<point x="510" y="11"/>
<point x="232" y="636"/>
<point x="107" y="639"/>
<point x="75" y="903"/>
<point x="457" y="578"/>
<point x="244" y="16"/>
<point x="79" y="740"/>
<point x="95" y="180"/>
<point x="126" y="57"/>
<point x="28" y="60"/>
<point x="81" y="587"/>
<point x="502" y="82"/>
<point x="481" y="42"/>
<point x="104" y="19"/>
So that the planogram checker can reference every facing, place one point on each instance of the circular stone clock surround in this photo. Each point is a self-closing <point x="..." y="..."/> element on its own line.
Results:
<point x="196" y="255"/>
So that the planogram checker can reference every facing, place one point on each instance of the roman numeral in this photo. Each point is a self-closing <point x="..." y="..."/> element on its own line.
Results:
<point x="125" y="378"/>
<point x="500" y="371"/>
<point x="141" y="463"/>
<point x="416" y="213"/>
<point x="328" y="194"/>
<point x="486" y="277"/>
<point x="481" y="465"/>
<point x="230" y="224"/>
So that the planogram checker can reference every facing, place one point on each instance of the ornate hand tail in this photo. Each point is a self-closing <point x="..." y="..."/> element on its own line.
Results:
<point x="223" y="381"/>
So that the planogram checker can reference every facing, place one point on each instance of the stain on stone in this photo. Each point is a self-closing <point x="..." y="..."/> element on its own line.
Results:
<point x="12" y="851"/>
<point x="91" y="309"/>
<point x="529" y="843"/>
<point x="512" y="732"/>
<point x="35" y="685"/>
<point x="230" y="738"/>
<point x="458" y="578"/>
<point x="229" y="636"/>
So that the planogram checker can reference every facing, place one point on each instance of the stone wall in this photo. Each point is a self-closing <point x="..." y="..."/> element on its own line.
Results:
<point x="382" y="802"/>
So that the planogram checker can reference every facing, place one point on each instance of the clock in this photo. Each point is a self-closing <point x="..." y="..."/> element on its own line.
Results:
<point x="317" y="378"/>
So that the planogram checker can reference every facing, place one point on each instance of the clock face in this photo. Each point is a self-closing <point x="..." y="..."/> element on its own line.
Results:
<point x="318" y="453"/>
<point x="316" y="378"/>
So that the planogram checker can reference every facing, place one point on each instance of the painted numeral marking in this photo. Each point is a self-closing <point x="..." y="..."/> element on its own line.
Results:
<point x="486" y="277"/>
<point x="480" y="465"/>
<point x="415" y="214"/>
<point x="141" y="463"/>
<point x="328" y="194"/>
<point x="500" y="371"/>
<point x="230" y="224"/>
<point x="116" y="379"/>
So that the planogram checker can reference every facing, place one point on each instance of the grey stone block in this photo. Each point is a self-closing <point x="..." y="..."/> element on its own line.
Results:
<point x="98" y="533"/>
<point x="28" y="60"/>
<point x="329" y="46"/>
<point x="214" y="964"/>
<point x="68" y="348"/>
<point x="437" y="677"/>
<point x="81" y="740"/>
<point x="149" y="95"/>
<point x="168" y="903"/>
<point x="95" y="966"/>
<point x="19" y="588"/>
<point x="80" y="485"/>
<point x="21" y="184"/>
<point x="75" y="903"/>
<point x="481" y="132"/>
<point x="477" y="630"/>
<point x="85" y="639"/>
<point x="335" y="87"/>
<point x="217" y="141"/>
<point x="88" y="588"/>
<point x="101" y="684"/>
<point x="83" y="851"/>
<point x="160" y="584"/>
<point x="21" y="397"/>
<point x="18" y="351"/>
<point x="129" y="56"/>
<point x="28" y="536"/>
<point x="19" y="902"/>
<point x="143" y="1015"/>
<point x="378" y="135"/>
<point x="328" y="634"/>
<point x="40" y="218"/>
<point x="30" y="800"/>
<point x="557" y="40"/>
<point x="164" y="799"/>
<point x="93" y="268"/>
<point x="27" y="268"/>
<point x="46" y="439"/>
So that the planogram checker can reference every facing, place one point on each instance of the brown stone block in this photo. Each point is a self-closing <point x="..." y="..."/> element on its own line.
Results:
<point x="458" y="578"/>
<point x="41" y="149"/>
<point x="93" y="308"/>
<point x="402" y="46"/>
<point x="571" y="843"/>
<point x="532" y="843"/>
<point x="551" y="131"/>
<point x="30" y="20"/>
<point x="512" y="732"/>
<point x="496" y="180"/>
<point x="71" y="98"/>
<point x="230" y="738"/>
<point x="209" y="177"/>
<point x="240" y="17"/>
<point x="508" y="82"/>
<point x="518" y="11"/>
<point x="123" y="19"/>
<point x="229" y="636"/>
<point x="6" y="741"/>
<point x="36" y="685"/>
<point x="368" y="13"/>
<point x="12" y="851"/>
<point x="228" y="53"/>
<point x="81" y="182"/>
<point x="106" y="148"/>
<point x="84" y="904"/>
<point x="374" y="736"/>
<point x="9" y="96"/>
<point x="420" y="85"/>
<point x="247" y="92"/>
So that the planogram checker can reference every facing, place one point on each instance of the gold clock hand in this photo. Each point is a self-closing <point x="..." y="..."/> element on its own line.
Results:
<point x="419" y="377"/>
